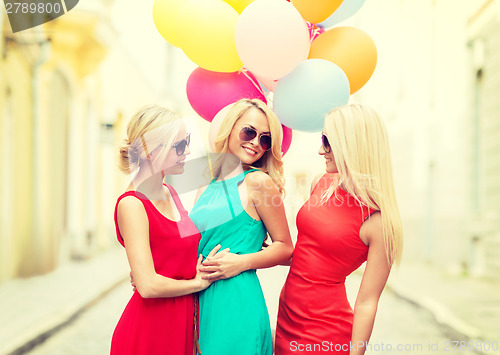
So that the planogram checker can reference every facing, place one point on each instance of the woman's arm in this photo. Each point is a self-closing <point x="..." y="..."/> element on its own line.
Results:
<point x="269" y="205"/>
<point x="134" y="229"/>
<point x="373" y="282"/>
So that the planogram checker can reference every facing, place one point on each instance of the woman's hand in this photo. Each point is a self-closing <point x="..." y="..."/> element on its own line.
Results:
<point x="204" y="283"/>
<point x="223" y="265"/>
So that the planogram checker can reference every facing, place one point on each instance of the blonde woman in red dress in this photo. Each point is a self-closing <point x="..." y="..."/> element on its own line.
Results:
<point x="160" y="240"/>
<point x="351" y="217"/>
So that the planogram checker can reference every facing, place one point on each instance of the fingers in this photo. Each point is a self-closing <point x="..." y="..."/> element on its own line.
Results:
<point x="198" y="263"/>
<point x="214" y="251"/>
<point x="219" y="255"/>
<point x="213" y="276"/>
<point x="209" y="268"/>
<point x="211" y="262"/>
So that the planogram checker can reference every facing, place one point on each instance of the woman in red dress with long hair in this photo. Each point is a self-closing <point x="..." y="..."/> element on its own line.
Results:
<point x="351" y="217"/>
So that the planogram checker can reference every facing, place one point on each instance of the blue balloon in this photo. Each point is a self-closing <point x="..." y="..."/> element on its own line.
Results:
<point x="345" y="10"/>
<point x="308" y="93"/>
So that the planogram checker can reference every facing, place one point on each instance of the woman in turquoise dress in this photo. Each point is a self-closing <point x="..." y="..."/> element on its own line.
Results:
<point x="240" y="206"/>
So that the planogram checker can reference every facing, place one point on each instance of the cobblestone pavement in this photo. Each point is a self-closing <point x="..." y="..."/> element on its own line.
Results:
<point x="401" y="327"/>
<point x="90" y="333"/>
<point x="404" y="328"/>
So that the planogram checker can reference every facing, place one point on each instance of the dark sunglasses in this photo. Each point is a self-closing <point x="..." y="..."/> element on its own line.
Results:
<point x="180" y="146"/>
<point x="248" y="133"/>
<point x="326" y="145"/>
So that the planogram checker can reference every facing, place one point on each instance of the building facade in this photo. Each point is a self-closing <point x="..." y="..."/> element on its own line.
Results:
<point x="60" y="122"/>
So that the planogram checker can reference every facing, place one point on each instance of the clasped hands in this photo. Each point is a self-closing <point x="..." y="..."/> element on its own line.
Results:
<point x="221" y="265"/>
<point x="217" y="265"/>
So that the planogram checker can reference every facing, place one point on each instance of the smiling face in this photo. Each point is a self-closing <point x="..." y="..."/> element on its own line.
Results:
<point x="326" y="151"/>
<point x="249" y="151"/>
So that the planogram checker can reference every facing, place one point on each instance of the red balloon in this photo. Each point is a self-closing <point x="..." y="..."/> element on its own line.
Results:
<point x="287" y="139"/>
<point x="208" y="92"/>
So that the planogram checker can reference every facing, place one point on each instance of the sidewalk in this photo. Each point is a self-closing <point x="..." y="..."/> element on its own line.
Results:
<point x="469" y="307"/>
<point x="31" y="309"/>
<point x="466" y="307"/>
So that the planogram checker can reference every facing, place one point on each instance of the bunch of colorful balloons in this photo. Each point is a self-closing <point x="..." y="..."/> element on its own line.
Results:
<point x="249" y="48"/>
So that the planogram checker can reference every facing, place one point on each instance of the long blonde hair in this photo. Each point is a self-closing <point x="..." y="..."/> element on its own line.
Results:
<point x="360" y="148"/>
<point x="150" y="128"/>
<point x="270" y="162"/>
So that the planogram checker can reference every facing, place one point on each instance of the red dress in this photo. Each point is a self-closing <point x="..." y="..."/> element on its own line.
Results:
<point x="314" y="315"/>
<point x="161" y="326"/>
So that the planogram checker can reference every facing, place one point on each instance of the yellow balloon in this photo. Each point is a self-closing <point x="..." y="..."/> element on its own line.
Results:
<point x="351" y="49"/>
<point x="165" y="15"/>
<point x="316" y="11"/>
<point x="208" y="35"/>
<point x="239" y="5"/>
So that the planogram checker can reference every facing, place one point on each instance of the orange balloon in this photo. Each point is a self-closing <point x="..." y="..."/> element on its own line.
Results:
<point x="351" y="49"/>
<point x="316" y="11"/>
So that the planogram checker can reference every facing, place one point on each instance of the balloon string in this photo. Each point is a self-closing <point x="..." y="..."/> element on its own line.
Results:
<point x="245" y="72"/>
<point x="315" y="32"/>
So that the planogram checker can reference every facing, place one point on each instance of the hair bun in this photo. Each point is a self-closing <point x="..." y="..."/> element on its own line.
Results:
<point x="129" y="156"/>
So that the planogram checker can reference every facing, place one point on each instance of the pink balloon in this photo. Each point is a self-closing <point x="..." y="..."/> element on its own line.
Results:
<point x="271" y="38"/>
<point x="287" y="139"/>
<point x="215" y="125"/>
<point x="208" y="92"/>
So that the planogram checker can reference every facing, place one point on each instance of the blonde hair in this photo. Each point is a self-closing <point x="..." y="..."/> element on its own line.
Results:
<point x="360" y="148"/>
<point x="270" y="162"/>
<point x="150" y="128"/>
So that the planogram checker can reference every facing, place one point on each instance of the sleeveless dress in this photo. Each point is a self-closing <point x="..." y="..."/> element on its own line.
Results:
<point x="161" y="326"/>
<point x="233" y="312"/>
<point x="314" y="315"/>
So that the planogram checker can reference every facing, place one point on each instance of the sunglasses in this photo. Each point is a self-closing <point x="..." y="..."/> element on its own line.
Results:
<point x="248" y="133"/>
<point x="326" y="145"/>
<point x="180" y="146"/>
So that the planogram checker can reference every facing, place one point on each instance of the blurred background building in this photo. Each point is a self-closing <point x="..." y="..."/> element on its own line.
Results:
<point x="68" y="87"/>
<point x="436" y="86"/>
<point x="65" y="89"/>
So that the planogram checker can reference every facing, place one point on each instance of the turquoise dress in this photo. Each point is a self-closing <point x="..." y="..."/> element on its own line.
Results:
<point x="233" y="312"/>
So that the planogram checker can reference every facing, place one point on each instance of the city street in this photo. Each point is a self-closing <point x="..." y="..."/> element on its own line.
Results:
<point x="399" y="325"/>
<point x="80" y="88"/>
